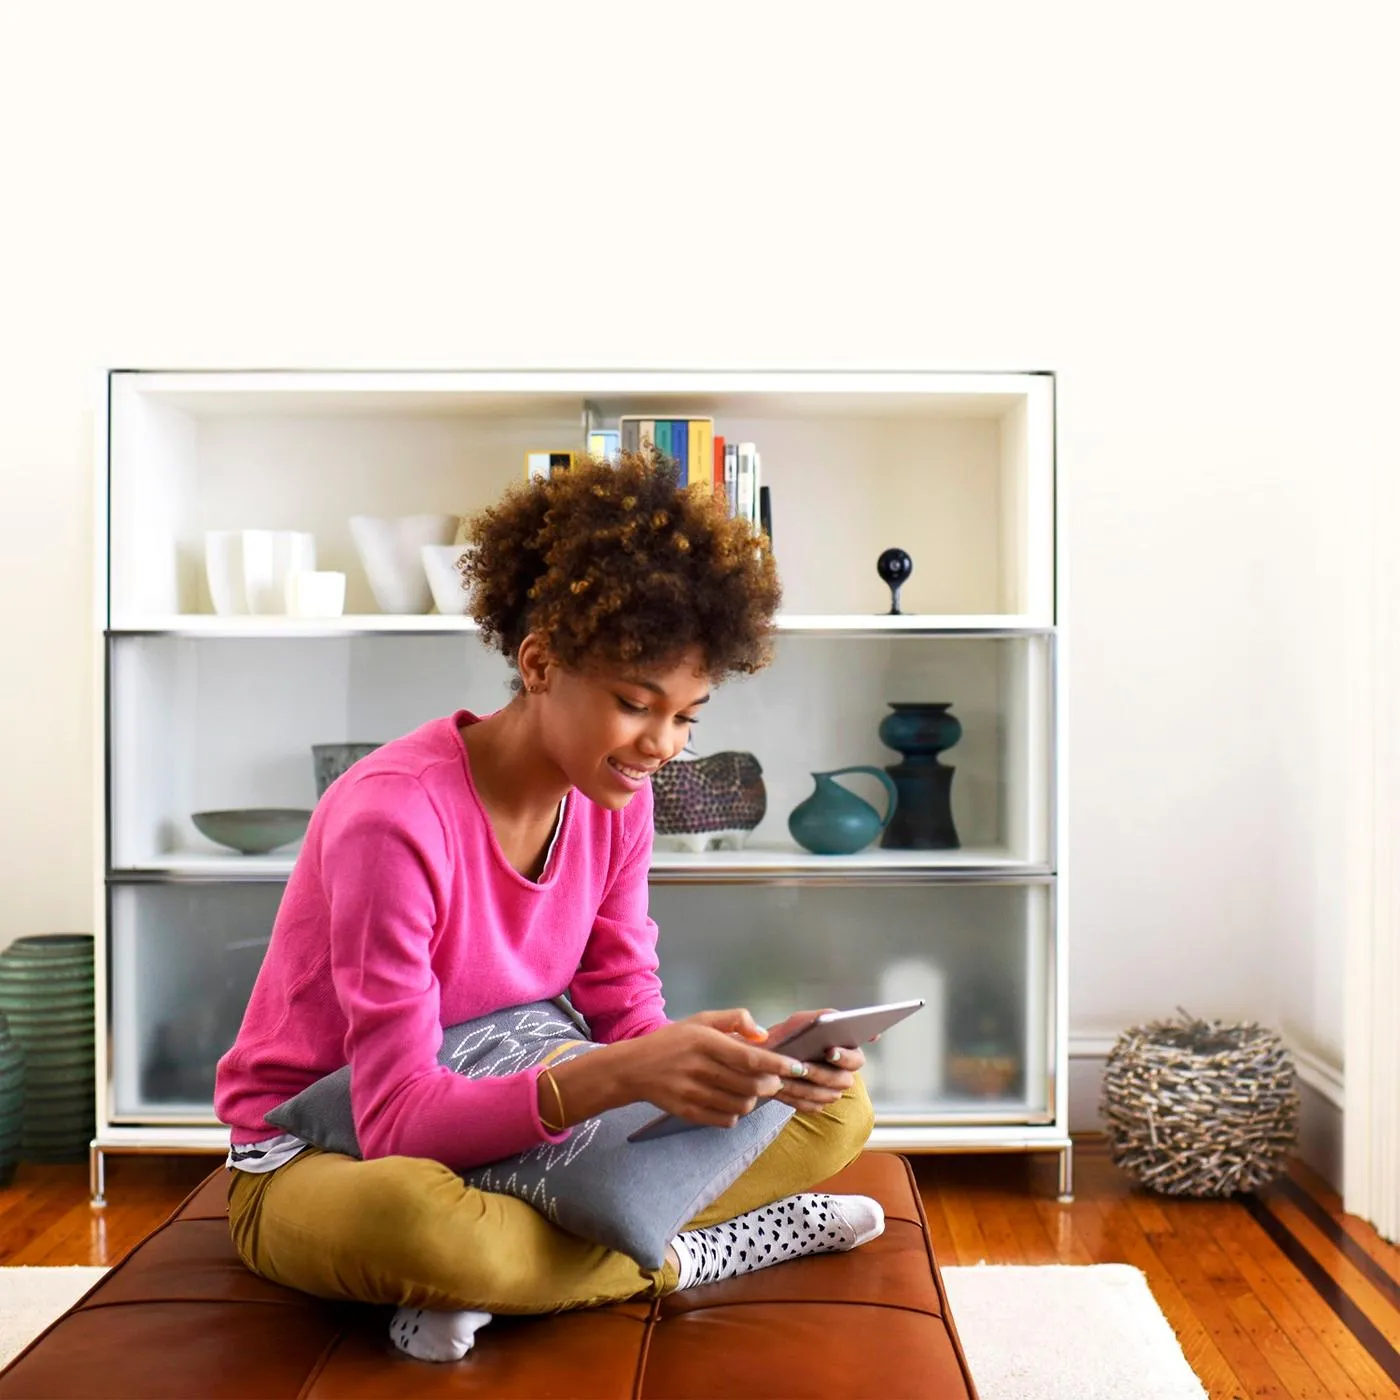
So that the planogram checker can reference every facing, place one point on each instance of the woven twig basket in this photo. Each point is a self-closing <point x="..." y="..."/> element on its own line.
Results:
<point x="1198" y="1108"/>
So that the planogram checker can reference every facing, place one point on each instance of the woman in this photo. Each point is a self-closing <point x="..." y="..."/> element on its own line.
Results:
<point x="481" y="863"/>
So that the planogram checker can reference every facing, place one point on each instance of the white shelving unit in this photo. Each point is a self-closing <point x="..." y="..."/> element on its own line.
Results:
<point x="202" y="712"/>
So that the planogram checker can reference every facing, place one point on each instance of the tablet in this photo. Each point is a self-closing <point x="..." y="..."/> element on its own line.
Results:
<point x="832" y="1028"/>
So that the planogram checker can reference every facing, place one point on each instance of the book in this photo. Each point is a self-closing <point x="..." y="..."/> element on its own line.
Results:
<point x="702" y="468"/>
<point x="653" y="430"/>
<point x="718" y="466"/>
<point x="604" y="443"/>
<point x="680" y="448"/>
<point x="765" y="512"/>
<point x="543" y="465"/>
<point x="745" y="499"/>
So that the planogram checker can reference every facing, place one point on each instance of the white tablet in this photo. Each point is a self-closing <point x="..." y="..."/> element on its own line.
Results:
<point x="832" y="1028"/>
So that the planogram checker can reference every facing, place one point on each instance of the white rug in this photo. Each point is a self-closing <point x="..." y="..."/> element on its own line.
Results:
<point x="30" y="1299"/>
<point x="1067" y="1332"/>
<point x="1090" y="1332"/>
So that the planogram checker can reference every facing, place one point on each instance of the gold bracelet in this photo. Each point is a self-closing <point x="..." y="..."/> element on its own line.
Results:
<point x="559" y="1099"/>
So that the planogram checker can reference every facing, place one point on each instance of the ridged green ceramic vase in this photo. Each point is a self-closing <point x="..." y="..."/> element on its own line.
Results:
<point x="11" y="1101"/>
<point x="46" y="995"/>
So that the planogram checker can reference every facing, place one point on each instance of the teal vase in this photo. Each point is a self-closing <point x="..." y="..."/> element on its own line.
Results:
<point x="833" y="821"/>
<point x="46" y="995"/>
<point x="921" y="731"/>
<point x="11" y="1101"/>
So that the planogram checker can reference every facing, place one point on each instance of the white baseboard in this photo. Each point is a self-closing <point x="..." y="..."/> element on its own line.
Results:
<point x="1321" y="1087"/>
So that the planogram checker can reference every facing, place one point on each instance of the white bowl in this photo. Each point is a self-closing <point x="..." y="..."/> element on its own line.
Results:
<point x="312" y="593"/>
<point x="391" y="551"/>
<point x="445" y="578"/>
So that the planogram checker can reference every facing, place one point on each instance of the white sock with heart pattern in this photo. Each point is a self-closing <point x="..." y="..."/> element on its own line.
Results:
<point x="810" y="1223"/>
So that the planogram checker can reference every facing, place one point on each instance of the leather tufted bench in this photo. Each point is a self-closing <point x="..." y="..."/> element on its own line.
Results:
<point x="180" y="1316"/>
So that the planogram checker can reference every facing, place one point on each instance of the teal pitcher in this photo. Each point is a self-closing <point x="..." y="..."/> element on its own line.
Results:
<point x="833" y="821"/>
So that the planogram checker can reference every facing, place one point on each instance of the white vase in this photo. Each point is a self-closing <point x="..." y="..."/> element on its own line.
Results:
<point x="911" y="1059"/>
<point x="268" y="557"/>
<point x="445" y="578"/>
<point x="391" y="550"/>
<point x="223" y="567"/>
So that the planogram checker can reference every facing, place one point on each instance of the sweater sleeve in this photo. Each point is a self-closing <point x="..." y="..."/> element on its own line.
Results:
<point x="616" y="986"/>
<point x="386" y="874"/>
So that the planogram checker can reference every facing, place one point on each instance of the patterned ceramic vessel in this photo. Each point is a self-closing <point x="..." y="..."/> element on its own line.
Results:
<point x="708" y="803"/>
<point x="46" y="995"/>
<point x="331" y="760"/>
<point x="11" y="1101"/>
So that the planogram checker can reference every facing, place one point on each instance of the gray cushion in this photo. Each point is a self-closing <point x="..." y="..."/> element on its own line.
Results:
<point x="629" y="1196"/>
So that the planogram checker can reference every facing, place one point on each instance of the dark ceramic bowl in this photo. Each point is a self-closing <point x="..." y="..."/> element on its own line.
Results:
<point x="253" y="831"/>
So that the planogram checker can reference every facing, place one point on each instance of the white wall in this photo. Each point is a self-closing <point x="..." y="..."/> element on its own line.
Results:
<point x="1182" y="210"/>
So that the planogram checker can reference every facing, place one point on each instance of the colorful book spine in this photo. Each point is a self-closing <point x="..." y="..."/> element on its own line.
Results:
<point x="680" y="448"/>
<point x="543" y="465"/>
<point x="605" y="443"/>
<point x="718" y="467"/>
<point x="746" y="497"/>
<point x="702" y="466"/>
<point x="689" y="442"/>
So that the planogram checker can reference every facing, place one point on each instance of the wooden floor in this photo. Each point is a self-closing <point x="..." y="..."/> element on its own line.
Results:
<point x="1279" y="1295"/>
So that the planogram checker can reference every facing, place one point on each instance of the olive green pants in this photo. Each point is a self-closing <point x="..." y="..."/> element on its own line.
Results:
<point x="411" y="1232"/>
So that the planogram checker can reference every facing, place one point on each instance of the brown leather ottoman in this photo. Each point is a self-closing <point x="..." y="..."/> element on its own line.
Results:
<point x="181" y="1317"/>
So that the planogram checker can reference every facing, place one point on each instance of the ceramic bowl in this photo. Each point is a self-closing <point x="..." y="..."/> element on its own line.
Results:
<point x="253" y="831"/>
<point x="391" y="550"/>
<point x="445" y="578"/>
<point x="315" y="593"/>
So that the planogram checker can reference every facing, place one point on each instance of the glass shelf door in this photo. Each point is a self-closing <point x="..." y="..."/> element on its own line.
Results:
<point x="203" y="724"/>
<point x="820" y="706"/>
<point x="981" y="956"/>
<point x="182" y="960"/>
<point x="216" y="723"/>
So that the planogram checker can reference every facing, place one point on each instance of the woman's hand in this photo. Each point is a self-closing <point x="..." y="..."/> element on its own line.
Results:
<point x="711" y="1068"/>
<point x="824" y="1083"/>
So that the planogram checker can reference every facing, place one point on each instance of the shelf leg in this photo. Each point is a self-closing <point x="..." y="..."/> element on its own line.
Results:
<point x="97" y="1175"/>
<point x="1067" y="1174"/>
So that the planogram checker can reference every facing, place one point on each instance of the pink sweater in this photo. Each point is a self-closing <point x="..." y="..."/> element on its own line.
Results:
<point x="402" y="916"/>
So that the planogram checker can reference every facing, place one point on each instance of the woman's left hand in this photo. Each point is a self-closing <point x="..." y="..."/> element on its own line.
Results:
<point x="824" y="1082"/>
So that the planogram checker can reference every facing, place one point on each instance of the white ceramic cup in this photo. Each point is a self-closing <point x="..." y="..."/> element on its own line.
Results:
<point x="268" y="557"/>
<point x="315" y="593"/>
<point x="391" y="551"/>
<point x="445" y="578"/>
<point x="223" y="567"/>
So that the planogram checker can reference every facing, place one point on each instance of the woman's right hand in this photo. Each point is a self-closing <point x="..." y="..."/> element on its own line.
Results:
<point x="705" y="1069"/>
